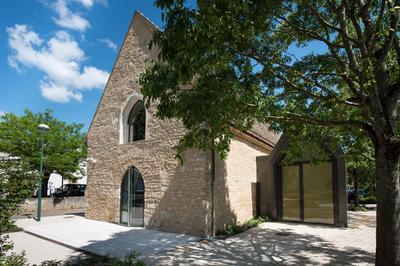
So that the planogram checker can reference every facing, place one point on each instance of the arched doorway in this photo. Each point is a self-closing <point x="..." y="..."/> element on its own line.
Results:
<point x="132" y="198"/>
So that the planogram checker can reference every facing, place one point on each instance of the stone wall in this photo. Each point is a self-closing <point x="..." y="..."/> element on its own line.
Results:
<point x="49" y="204"/>
<point x="236" y="183"/>
<point x="175" y="196"/>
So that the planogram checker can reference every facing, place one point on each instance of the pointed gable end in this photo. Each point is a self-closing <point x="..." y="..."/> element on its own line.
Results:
<point x="131" y="60"/>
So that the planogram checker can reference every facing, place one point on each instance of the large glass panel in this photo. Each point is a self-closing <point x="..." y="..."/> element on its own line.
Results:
<point x="137" y="122"/>
<point x="124" y="200"/>
<point x="318" y="193"/>
<point x="132" y="198"/>
<point x="291" y="193"/>
<point x="137" y="199"/>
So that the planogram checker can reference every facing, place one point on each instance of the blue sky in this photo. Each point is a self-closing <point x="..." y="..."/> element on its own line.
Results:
<point x="57" y="54"/>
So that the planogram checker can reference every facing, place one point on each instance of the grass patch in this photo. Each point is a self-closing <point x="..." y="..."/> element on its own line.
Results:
<point x="93" y="259"/>
<point x="87" y="259"/>
<point x="234" y="229"/>
<point x="12" y="228"/>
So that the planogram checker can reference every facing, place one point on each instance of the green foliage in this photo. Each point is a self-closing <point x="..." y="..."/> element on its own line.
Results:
<point x="16" y="185"/>
<point x="13" y="260"/>
<point x="19" y="161"/>
<point x="234" y="229"/>
<point x="64" y="143"/>
<point x="13" y="228"/>
<point x="357" y="208"/>
<point x="227" y="63"/>
<point x="92" y="259"/>
<point x="368" y="200"/>
<point x="321" y="66"/>
<point x="255" y="221"/>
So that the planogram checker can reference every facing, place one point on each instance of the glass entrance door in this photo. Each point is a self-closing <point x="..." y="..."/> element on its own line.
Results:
<point x="291" y="193"/>
<point x="132" y="198"/>
<point x="318" y="193"/>
<point x="307" y="193"/>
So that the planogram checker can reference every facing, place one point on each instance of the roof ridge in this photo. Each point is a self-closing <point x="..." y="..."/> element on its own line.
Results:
<point x="147" y="19"/>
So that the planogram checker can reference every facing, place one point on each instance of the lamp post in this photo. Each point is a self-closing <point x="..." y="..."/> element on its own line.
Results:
<point x="42" y="128"/>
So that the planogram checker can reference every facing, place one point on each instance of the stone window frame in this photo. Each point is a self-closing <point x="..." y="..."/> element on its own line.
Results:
<point x="124" y="115"/>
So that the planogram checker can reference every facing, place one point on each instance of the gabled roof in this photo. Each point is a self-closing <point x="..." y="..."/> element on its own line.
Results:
<point x="262" y="131"/>
<point x="260" y="135"/>
<point x="137" y="16"/>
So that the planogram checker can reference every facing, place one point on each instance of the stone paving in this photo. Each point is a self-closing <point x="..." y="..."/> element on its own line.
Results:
<point x="285" y="243"/>
<point x="271" y="243"/>
<point x="38" y="250"/>
<point x="102" y="238"/>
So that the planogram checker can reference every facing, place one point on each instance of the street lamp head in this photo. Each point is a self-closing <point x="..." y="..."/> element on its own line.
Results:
<point x="43" y="127"/>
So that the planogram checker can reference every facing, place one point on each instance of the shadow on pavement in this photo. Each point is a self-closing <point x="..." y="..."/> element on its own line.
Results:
<point x="147" y="242"/>
<point x="32" y="215"/>
<point x="258" y="246"/>
<point x="265" y="247"/>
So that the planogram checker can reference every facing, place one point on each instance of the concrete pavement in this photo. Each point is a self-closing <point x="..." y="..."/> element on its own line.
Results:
<point x="274" y="243"/>
<point x="269" y="243"/>
<point x="103" y="238"/>
<point x="38" y="250"/>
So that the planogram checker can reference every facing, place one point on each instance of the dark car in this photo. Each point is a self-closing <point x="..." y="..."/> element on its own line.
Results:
<point x="70" y="190"/>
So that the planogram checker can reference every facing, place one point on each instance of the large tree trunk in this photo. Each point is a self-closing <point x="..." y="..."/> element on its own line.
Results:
<point x="388" y="211"/>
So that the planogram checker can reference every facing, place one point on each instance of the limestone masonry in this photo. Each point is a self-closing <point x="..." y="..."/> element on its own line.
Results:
<point x="177" y="198"/>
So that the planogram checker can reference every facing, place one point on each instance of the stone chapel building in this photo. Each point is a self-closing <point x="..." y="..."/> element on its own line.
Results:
<point x="133" y="176"/>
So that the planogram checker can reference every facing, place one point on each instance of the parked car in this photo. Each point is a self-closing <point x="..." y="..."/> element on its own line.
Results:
<point x="351" y="195"/>
<point x="70" y="190"/>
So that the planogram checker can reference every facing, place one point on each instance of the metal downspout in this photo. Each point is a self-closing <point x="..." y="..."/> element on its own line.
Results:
<point x="213" y="226"/>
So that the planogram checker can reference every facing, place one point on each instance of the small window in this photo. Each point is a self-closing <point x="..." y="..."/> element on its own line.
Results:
<point x="137" y="122"/>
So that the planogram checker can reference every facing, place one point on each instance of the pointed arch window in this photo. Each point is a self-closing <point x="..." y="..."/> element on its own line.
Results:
<point x="137" y="122"/>
<point x="132" y="198"/>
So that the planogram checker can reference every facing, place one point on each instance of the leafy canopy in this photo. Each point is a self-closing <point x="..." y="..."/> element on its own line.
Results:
<point x="64" y="143"/>
<point x="227" y="63"/>
<point x="16" y="185"/>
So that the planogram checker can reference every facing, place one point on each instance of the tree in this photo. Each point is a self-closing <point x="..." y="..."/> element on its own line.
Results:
<point x="64" y="143"/>
<point x="360" y="165"/>
<point x="16" y="185"/>
<point x="333" y="63"/>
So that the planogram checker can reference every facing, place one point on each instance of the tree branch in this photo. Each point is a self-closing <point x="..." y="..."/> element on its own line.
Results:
<point x="396" y="45"/>
<point x="294" y="86"/>
<point x="341" y="15"/>
<point x="352" y="14"/>
<point x="379" y="20"/>
<point x="394" y="18"/>
<point x="326" y="24"/>
<point x="294" y="117"/>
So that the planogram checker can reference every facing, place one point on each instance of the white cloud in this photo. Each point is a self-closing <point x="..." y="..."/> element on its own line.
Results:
<point x="89" y="3"/>
<point x="57" y="93"/>
<point x="86" y="3"/>
<point x="68" y="19"/>
<point x="59" y="59"/>
<point x="110" y="44"/>
<point x="2" y="113"/>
